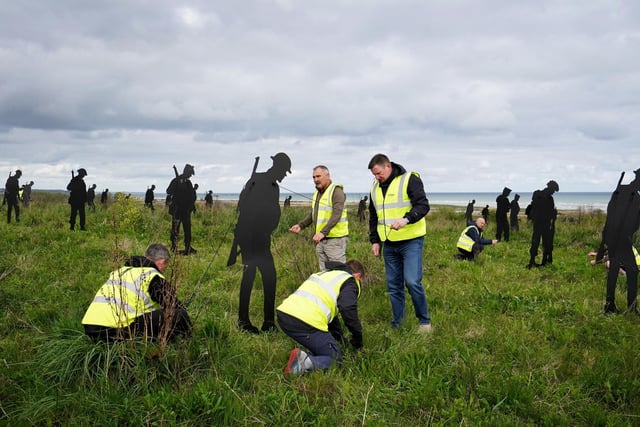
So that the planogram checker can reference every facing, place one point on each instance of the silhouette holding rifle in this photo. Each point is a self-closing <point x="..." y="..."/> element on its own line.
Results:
<point x="623" y="220"/>
<point x="181" y="204"/>
<point x="259" y="215"/>
<point x="11" y="190"/>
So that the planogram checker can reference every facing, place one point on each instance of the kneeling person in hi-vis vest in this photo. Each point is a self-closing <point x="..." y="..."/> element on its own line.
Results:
<point x="471" y="242"/>
<point x="136" y="300"/>
<point x="309" y="316"/>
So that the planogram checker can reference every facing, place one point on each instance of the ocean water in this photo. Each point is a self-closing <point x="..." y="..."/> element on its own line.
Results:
<point x="563" y="200"/>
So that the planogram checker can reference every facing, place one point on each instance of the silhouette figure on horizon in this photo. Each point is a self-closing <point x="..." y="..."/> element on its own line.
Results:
<point x="77" y="198"/>
<point x="104" y="197"/>
<point x="11" y="191"/>
<point x="543" y="215"/>
<point x="502" y="209"/>
<point x="514" y="210"/>
<point x="468" y="213"/>
<point x="149" y="197"/>
<point x="362" y="208"/>
<point x="181" y="203"/>
<point x="259" y="215"/>
<point x="485" y="214"/>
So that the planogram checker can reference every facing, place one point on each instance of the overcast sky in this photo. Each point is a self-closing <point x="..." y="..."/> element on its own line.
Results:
<point x="474" y="95"/>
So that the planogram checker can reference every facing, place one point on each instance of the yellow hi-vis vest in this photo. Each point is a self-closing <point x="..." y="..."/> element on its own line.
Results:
<point x="325" y="209"/>
<point x="393" y="206"/>
<point x="315" y="302"/>
<point x="122" y="298"/>
<point x="637" y="255"/>
<point x="465" y="242"/>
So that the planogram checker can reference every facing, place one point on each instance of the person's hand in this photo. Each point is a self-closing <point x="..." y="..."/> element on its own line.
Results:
<point x="399" y="223"/>
<point x="493" y="242"/>
<point x="375" y="249"/>
<point x="318" y="237"/>
<point x="295" y="228"/>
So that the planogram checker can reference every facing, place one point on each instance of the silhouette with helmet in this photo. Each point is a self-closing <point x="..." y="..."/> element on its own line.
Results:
<point x="258" y="217"/>
<point x="181" y="204"/>
<point x="11" y="192"/>
<point x="623" y="220"/>
<point x="543" y="214"/>
<point x="77" y="198"/>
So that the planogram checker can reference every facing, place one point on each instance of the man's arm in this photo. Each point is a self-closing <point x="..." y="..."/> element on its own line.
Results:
<point x="348" y="308"/>
<point x="419" y="202"/>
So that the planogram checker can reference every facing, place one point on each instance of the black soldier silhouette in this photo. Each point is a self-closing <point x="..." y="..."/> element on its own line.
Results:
<point x="181" y="204"/>
<point x="287" y="202"/>
<point x="258" y="217"/>
<point x="149" y="197"/>
<point x="502" y="209"/>
<point x="26" y="195"/>
<point x="543" y="214"/>
<point x="104" y="197"/>
<point x="91" y="196"/>
<point x="468" y="213"/>
<point x="11" y="190"/>
<point x="77" y="198"/>
<point x="623" y="220"/>
<point x="514" y="210"/>
<point x="208" y="199"/>
<point x="485" y="214"/>
<point x="362" y="208"/>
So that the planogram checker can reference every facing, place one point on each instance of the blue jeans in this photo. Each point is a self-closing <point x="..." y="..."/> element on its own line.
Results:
<point x="403" y="267"/>
<point x="323" y="348"/>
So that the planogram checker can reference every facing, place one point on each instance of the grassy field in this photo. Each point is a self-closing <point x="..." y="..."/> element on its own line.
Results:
<point x="510" y="346"/>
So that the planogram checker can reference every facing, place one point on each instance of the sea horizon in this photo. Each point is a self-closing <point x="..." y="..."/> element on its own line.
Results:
<point x="563" y="200"/>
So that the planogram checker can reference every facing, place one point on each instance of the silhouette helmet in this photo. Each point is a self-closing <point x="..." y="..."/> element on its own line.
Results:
<point x="189" y="169"/>
<point x="281" y="160"/>
<point x="552" y="185"/>
<point x="82" y="172"/>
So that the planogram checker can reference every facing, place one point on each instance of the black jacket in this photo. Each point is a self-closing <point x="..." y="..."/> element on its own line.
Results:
<point x="415" y="190"/>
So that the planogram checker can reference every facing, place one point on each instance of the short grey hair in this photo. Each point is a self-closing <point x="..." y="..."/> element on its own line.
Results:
<point x="157" y="251"/>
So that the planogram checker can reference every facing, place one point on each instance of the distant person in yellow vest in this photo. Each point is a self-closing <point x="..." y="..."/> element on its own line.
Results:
<point x="471" y="243"/>
<point x="329" y="215"/>
<point x="398" y="205"/>
<point x="136" y="300"/>
<point x="310" y="316"/>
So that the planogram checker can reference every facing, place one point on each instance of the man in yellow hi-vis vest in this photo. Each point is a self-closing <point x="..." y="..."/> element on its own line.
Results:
<point x="329" y="214"/>
<point x="136" y="300"/>
<point x="471" y="243"/>
<point x="396" y="222"/>
<point x="310" y="316"/>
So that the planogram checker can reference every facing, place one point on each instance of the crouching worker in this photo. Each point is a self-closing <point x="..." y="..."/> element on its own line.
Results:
<point x="471" y="242"/>
<point x="136" y="300"/>
<point x="309" y="316"/>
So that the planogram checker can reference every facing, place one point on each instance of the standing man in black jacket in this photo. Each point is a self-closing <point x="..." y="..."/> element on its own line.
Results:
<point x="502" y="209"/>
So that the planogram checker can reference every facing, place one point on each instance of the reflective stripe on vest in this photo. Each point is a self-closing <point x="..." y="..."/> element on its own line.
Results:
<point x="637" y="255"/>
<point x="393" y="206"/>
<point x="315" y="301"/>
<point x="122" y="298"/>
<point x="325" y="209"/>
<point x="465" y="242"/>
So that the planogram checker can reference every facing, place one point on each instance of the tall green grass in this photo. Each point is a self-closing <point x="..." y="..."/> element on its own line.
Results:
<point x="510" y="346"/>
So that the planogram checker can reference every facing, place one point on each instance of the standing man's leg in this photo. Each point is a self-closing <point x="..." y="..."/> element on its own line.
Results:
<point x="394" y="271"/>
<point x="186" y="228"/>
<point x="412" y="254"/>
